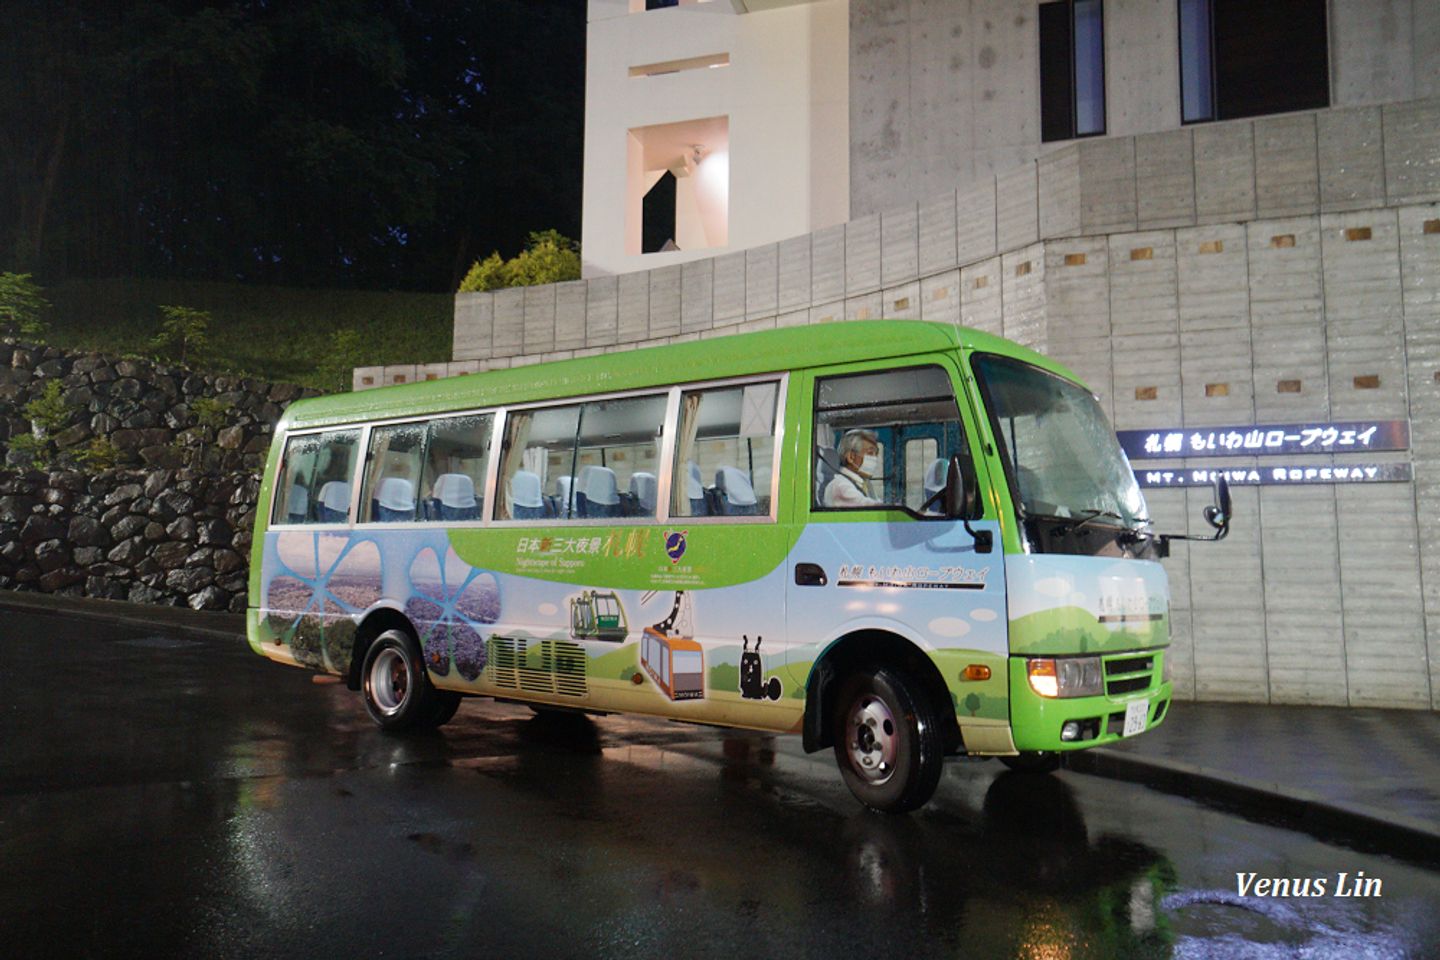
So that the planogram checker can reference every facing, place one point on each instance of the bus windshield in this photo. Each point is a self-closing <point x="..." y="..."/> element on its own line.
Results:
<point x="1064" y="459"/>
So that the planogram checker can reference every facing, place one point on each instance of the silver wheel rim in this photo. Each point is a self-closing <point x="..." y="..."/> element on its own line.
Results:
<point x="389" y="682"/>
<point x="871" y="736"/>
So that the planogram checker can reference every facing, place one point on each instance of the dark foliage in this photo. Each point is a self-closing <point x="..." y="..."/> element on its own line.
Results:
<point x="317" y="142"/>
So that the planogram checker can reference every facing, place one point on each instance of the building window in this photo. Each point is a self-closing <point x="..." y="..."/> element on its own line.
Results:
<point x="1244" y="59"/>
<point x="657" y="217"/>
<point x="1072" y="69"/>
<point x="678" y="186"/>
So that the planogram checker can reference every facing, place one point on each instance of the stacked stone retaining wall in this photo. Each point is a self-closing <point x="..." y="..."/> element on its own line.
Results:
<point x="170" y="521"/>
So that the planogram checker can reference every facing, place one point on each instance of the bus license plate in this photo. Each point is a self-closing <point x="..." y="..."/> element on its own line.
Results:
<point x="1135" y="716"/>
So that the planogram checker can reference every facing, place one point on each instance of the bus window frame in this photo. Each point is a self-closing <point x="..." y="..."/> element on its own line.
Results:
<point x="492" y="510"/>
<point x="952" y="364"/>
<point x="497" y="413"/>
<point x="777" y="459"/>
<point x="356" y="471"/>
<point x="664" y="457"/>
<point x="489" y="518"/>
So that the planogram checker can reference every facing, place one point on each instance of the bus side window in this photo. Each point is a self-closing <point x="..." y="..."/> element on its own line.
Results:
<point x="315" y="477"/>
<point x="882" y="439"/>
<point x="617" y="454"/>
<point x="453" y="481"/>
<point x="590" y="461"/>
<point x="725" y="451"/>
<point x="538" y="443"/>
<point x="392" y="473"/>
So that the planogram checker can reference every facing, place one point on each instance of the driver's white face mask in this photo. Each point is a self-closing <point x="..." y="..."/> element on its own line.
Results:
<point x="870" y="466"/>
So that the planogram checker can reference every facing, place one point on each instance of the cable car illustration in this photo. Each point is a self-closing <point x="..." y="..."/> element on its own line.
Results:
<point x="669" y="653"/>
<point x="598" y="616"/>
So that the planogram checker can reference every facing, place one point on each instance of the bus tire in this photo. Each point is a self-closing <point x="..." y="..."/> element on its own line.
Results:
<point x="445" y="704"/>
<point x="1033" y="761"/>
<point x="395" y="687"/>
<point x="888" y="740"/>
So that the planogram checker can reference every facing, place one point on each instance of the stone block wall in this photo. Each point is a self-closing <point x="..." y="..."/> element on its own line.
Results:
<point x="147" y="410"/>
<point x="175" y="537"/>
<point x="171" y="522"/>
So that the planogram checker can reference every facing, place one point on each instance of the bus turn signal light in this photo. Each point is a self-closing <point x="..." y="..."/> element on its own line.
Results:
<point x="976" y="671"/>
<point x="1042" y="678"/>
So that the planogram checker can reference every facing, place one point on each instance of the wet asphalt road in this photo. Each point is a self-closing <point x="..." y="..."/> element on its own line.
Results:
<point x="167" y="796"/>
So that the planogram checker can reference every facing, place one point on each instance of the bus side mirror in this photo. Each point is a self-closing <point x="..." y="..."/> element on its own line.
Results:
<point x="1218" y="515"/>
<point x="962" y="489"/>
<point x="962" y="499"/>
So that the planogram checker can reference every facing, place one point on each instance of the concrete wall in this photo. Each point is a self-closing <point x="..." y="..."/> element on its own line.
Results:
<point x="947" y="91"/>
<point x="1154" y="265"/>
<point x="784" y="93"/>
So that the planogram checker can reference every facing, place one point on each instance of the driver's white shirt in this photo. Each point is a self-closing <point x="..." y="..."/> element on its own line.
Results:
<point x="848" y="489"/>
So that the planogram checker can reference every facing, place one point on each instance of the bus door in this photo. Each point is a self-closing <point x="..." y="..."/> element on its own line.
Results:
<point x="875" y="552"/>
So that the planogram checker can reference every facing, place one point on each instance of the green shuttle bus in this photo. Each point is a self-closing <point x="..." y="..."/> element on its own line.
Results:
<point x="930" y="535"/>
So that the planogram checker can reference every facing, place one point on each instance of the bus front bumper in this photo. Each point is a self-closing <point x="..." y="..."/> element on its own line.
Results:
<point x="1076" y="723"/>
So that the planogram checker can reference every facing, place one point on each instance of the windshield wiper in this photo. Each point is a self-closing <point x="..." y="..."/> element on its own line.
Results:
<point x="1088" y="517"/>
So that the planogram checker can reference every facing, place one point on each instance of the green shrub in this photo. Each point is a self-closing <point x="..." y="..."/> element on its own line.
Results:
<point x="487" y="274"/>
<point x="33" y="451"/>
<point x="99" y="455"/>
<point x="50" y="411"/>
<point x="548" y="257"/>
<point x="211" y="412"/>
<point x="184" y="334"/>
<point x="22" y="308"/>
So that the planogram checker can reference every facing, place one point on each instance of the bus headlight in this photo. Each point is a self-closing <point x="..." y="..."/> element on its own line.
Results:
<point x="1065" y="676"/>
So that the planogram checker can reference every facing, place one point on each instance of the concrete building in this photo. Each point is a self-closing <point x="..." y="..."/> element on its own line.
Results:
<point x="1214" y="257"/>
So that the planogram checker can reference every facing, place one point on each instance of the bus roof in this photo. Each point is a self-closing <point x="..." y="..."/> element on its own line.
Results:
<point x="729" y="356"/>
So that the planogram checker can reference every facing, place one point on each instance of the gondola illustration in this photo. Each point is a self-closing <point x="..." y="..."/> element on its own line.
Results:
<point x="598" y="616"/>
<point x="670" y="655"/>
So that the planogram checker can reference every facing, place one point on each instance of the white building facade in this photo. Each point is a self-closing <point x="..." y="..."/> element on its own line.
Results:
<point x="1227" y="224"/>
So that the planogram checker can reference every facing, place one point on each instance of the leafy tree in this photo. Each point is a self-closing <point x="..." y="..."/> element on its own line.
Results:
<point x="48" y="413"/>
<point x="183" y="334"/>
<point x="22" y="307"/>
<point x="547" y="258"/>
<point x="330" y="142"/>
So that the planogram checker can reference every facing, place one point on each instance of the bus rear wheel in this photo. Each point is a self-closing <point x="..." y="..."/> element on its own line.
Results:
<point x="887" y="740"/>
<point x="397" y="692"/>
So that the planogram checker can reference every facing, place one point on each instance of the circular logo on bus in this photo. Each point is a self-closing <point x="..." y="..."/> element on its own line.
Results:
<point x="675" y="544"/>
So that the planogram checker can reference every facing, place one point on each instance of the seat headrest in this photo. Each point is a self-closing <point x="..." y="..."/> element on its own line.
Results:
<point x="335" y="495"/>
<point x="396" y="493"/>
<point x="455" y="490"/>
<point x="598" y="485"/>
<point x="642" y="488"/>
<point x="525" y="489"/>
<point x="299" y="499"/>
<point x="935" y="475"/>
<point x="737" y="487"/>
<point x="694" y="487"/>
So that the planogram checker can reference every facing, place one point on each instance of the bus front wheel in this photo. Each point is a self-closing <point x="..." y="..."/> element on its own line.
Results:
<point x="397" y="691"/>
<point x="888" y="740"/>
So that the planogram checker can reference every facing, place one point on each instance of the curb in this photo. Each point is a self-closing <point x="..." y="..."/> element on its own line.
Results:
<point x="1351" y="824"/>
<point x="219" y="626"/>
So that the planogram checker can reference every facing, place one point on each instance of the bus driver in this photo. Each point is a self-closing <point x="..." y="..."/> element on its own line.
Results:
<point x="859" y="452"/>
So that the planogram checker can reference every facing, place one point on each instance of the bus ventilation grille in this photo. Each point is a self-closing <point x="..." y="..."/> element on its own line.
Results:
<point x="503" y="662"/>
<point x="538" y="666"/>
